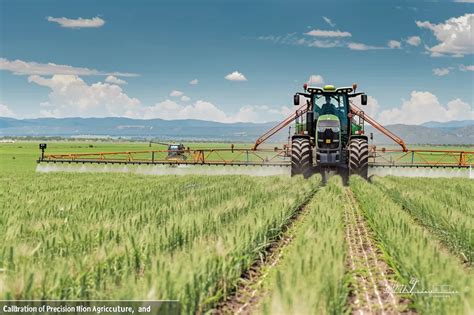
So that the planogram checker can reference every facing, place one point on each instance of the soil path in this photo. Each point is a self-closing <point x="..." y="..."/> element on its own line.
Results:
<point x="371" y="288"/>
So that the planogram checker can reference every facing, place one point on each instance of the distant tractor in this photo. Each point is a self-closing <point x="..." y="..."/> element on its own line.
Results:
<point x="175" y="151"/>
<point x="329" y="138"/>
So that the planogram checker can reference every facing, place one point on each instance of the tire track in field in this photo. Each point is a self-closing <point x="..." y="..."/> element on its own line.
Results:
<point x="250" y="292"/>
<point x="371" y="289"/>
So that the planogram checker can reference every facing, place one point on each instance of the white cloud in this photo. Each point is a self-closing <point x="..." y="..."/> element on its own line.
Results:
<point x="260" y="114"/>
<point x="413" y="40"/>
<point x="394" y="44"/>
<point x="78" y="23"/>
<point x="235" y="76"/>
<point x="70" y="96"/>
<point x="176" y="93"/>
<point x="315" y="79"/>
<point x="316" y="43"/>
<point x="114" y="80"/>
<point x="169" y="109"/>
<point x="203" y="110"/>
<point x="194" y="82"/>
<point x="454" y="36"/>
<point x="360" y="46"/>
<point x="322" y="33"/>
<point x="21" y="67"/>
<point x="464" y="1"/>
<point x="322" y="44"/>
<point x="441" y="71"/>
<point x="371" y="109"/>
<point x="466" y="68"/>
<point x="328" y="20"/>
<point x="6" y="112"/>
<point x="330" y="39"/>
<point x="423" y="107"/>
<point x="293" y="39"/>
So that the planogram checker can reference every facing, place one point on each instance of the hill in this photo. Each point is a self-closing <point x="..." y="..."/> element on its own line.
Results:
<point x="461" y="132"/>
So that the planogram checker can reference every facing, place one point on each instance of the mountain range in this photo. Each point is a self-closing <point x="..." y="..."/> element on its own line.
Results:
<point x="453" y="132"/>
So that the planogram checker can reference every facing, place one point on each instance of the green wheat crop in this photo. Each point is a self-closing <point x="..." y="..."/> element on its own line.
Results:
<point x="310" y="278"/>
<point x="415" y="255"/>
<point x="448" y="214"/>
<point x="118" y="236"/>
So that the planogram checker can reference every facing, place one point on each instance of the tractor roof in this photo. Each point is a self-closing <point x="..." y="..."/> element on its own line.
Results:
<point x="328" y="89"/>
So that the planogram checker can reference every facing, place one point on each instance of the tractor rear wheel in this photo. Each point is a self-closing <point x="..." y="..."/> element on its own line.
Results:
<point x="301" y="157"/>
<point x="359" y="157"/>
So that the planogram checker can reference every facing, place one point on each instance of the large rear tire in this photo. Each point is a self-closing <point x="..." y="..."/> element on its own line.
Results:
<point x="359" y="157"/>
<point x="301" y="157"/>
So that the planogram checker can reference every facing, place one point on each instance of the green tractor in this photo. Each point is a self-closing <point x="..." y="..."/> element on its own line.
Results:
<point x="330" y="139"/>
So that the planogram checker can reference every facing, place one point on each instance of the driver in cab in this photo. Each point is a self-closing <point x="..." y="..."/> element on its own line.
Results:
<point x="328" y="108"/>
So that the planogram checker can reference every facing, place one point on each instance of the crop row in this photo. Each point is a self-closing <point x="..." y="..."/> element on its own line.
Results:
<point x="311" y="276"/>
<point x="444" y="210"/>
<point x="421" y="265"/>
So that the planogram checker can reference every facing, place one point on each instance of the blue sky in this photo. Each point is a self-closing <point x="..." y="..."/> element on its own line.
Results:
<point x="125" y="58"/>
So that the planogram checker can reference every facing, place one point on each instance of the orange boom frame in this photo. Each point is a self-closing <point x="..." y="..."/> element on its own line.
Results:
<point x="256" y="156"/>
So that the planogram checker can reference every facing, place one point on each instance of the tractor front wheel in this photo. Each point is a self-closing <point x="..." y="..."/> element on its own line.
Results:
<point x="359" y="157"/>
<point x="301" y="157"/>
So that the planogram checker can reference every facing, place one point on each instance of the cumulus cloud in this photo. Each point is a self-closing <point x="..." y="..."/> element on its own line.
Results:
<point x="114" y="80"/>
<point x="440" y="72"/>
<point x="70" y="96"/>
<point x="315" y="79"/>
<point x="260" y="114"/>
<point x="466" y="68"/>
<point x="77" y="23"/>
<point x="176" y="93"/>
<point x="371" y="109"/>
<point x="21" y="67"/>
<point x="394" y="44"/>
<point x="423" y="107"/>
<point x="203" y="110"/>
<point x="5" y="111"/>
<point x="454" y="36"/>
<point x="194" y="82"/>
<point x="328" y="20"/>
<point x="235" y="76"/>
<point x="413" y="40"/>
<point x="169" y="109"/>
<point x="322" y="33"/>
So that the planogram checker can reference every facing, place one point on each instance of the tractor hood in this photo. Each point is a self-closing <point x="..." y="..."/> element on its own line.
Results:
<point x="328" y="132"/>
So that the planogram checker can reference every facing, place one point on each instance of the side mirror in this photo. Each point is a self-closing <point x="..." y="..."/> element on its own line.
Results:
<point x="296" y="99"/>
<point x="363" y="99"/>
